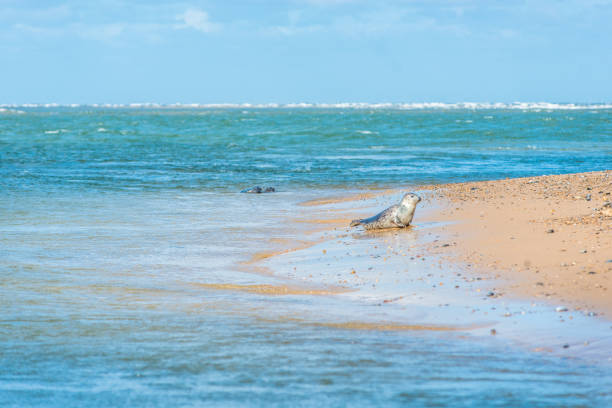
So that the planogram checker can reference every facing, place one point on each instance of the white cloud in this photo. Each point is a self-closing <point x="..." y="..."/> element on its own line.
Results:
<point x="401" y="20"/>
<point x="198" y="20"/>
<point x="107" y="33"/>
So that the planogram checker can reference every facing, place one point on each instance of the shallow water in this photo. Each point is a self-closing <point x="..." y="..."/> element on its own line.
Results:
<point x="112" y="219"/>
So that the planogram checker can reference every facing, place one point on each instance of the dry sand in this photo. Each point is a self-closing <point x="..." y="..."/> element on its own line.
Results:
<point x="547" y="237"/>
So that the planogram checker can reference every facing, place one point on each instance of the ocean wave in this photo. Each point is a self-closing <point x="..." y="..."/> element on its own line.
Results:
<point x="11" y="111"/>
<point x="55" y="131"/>
<point x="344" y="105"/>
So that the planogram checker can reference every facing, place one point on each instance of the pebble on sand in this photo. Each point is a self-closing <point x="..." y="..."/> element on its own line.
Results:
<point x="561" y="309"/>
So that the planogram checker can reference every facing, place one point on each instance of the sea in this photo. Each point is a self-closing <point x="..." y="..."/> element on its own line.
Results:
<point x="117" y="222"/>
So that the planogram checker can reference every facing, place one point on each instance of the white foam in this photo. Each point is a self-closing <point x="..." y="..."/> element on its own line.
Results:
<point x="56" y="131"/>
<point x="531" y="106"/>
<point x="266" y="132"/>
<point x="9" y="111"/>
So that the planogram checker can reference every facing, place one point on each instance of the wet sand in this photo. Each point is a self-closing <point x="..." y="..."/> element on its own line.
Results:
<point x="267" y="289"/>
<point x="542" y="238"/>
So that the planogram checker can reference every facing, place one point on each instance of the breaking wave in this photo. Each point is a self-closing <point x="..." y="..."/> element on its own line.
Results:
<point x="343" y="105"/>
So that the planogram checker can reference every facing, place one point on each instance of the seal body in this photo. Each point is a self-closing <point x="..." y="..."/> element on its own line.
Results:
<point x="397" y="216"/>
<point x="259" y="190"/>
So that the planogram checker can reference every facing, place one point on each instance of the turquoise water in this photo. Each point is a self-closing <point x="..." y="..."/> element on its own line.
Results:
<point x="111" y="218"/>
<point x="222" y="150"/>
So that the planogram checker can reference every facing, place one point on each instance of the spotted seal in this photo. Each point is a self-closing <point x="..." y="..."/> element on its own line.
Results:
<point x="259" y="190"/>
<point x="397" y="216"/>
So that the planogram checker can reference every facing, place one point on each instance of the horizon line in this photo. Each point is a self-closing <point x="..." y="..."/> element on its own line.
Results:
<point x="321" y="105"/>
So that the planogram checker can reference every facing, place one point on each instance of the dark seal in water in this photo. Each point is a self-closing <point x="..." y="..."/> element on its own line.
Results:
<point x="259" y="190"/>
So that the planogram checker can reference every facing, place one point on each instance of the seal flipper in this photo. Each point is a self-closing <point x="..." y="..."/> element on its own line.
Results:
<point x="397" y="222"/>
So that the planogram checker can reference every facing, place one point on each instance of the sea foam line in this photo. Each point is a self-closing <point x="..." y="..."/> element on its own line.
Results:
<point x="342" y="105"/>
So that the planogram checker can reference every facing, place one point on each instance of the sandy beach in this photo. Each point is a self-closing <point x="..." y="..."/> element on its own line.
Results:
<point x="544" y="239"/>
<point x="547" y="237"/>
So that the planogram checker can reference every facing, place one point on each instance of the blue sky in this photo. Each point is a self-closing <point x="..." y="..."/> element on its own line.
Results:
<point x="235" y="51"/>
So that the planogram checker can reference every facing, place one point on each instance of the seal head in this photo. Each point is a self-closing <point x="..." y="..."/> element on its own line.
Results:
<point x="397" y="216"/>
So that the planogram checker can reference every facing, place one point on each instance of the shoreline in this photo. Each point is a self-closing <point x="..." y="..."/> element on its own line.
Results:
<point x="429" y="275"/>
<point x="532" y="235"/>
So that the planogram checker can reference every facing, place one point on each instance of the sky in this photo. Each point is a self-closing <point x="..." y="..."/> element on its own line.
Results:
<point x="317" y="51"/>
